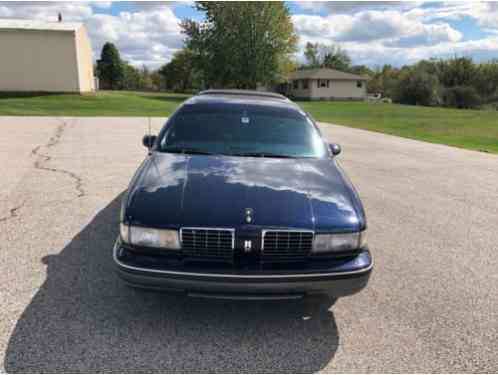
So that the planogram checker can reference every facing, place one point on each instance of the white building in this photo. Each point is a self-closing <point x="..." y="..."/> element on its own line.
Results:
<point x="326" y="84"/>
<point x="41" y="56"/>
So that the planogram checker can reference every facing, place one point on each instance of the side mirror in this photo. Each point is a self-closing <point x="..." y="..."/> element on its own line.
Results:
<point x="335" y="149"/>
<point x="149" y="140"/>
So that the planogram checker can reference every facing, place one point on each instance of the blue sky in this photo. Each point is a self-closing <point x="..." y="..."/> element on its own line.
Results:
<point x="373" y="33"/>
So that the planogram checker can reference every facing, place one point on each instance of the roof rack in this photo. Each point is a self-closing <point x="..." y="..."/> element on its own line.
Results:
<point x="244" y="93"/>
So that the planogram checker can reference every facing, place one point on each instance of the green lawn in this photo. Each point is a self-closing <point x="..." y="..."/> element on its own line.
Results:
<point x="105" y="103"/>
<point x="472" y="129"/>
<point x="477" y="130"/>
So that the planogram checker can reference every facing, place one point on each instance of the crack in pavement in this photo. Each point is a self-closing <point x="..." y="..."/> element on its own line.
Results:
<point x="43" y="159"/>
<point x="12" y="213"/>
<point x="40" y="163"/>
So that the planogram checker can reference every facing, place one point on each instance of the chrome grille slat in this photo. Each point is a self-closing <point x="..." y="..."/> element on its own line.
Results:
<point x="208" y="243"/>
<point x="281" y="245"/>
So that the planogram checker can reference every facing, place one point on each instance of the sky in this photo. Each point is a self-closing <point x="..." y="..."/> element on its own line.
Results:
<point x="373" y="33"/>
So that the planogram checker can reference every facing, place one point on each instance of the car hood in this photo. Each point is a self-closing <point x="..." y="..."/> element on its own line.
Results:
<point x="174" y="190"/>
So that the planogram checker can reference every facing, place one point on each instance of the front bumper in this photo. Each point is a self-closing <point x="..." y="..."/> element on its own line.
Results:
<point x="340" y="279"/>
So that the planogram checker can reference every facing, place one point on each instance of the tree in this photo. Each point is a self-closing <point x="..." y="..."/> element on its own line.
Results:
<point x="362" y="70"/>
<point x="418" y="87"/>
<point x="461" y="97"/>
<point x="287" y="66"/>
<point x="319" y="55"/>
<point x="157" y="81"/>
<point x="336" y="58"/>
<point x="110" y="68"/>
<point x="311" y="55"/>
<point x="486" y="80"/>
<point x="385" y="81"/>
<point x="459" y="71"/>
<point x="241" y="44"/>
<point x="146" y="79"/>
<point x="132" y="79"/>
<point x="181" y="74"/>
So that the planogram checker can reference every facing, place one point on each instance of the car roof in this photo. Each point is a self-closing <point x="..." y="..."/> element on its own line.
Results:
<point x="249" y="97"/>
<point x="263" y="94"/>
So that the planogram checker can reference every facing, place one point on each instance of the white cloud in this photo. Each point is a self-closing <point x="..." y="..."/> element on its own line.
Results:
<point x="427" y="35"/>
<point x="373" y="25"/>
<point x="375" y="34"/>
<point x="368" y="26"/>
<point x="71" y="11"/>
<point x="139" y="35"/>
<point x="158" y="4"/>
<point x="102" y="4"/>
<point x="348" y="7"/>
<point x="148" y="36"/>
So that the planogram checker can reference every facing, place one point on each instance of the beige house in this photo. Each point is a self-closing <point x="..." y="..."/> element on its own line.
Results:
<point x="45" y="57"/>
<point x="326" y="84"/>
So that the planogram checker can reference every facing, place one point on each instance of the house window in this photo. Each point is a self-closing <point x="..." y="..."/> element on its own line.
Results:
<point x="295" y="84"/>
<point x="323" y="83"/>
<point x="305" y="83"/>
<point x="359" y="84"/>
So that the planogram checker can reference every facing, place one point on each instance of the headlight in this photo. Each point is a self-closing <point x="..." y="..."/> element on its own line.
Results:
<point x="150" y="237"/>
<point x="339" y="242"/>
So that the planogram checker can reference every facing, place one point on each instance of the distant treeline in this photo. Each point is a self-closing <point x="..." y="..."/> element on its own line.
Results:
<point x="116" y="74"/>
<point x="456" y="82"/>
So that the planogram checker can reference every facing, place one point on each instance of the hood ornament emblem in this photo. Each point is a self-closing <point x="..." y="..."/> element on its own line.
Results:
<point x="247" y="246"/>
<point x="248" y="215"/>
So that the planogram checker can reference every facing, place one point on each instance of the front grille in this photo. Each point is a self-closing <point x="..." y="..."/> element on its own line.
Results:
<point x="290" y="245"/>
<point x="208" y="243"/>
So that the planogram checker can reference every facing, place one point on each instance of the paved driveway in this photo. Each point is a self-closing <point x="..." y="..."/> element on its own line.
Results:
<point x="432" y="303"/>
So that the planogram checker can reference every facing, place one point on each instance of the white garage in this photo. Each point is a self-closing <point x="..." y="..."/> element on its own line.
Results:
<point x="38" y="56"/>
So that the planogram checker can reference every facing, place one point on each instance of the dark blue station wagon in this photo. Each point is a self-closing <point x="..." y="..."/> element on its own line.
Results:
<point x="240" y="196"/>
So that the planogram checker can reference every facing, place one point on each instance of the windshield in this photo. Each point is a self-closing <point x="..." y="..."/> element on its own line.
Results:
<point x="242" y="130"/>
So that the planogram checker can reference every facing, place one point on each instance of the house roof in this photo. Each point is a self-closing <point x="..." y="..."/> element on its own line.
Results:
<point x="325" y="73"/>
<point x="14" y="24"/>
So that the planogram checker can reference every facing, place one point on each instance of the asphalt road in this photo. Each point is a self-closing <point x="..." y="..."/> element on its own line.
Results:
<point x="431" y="305"/>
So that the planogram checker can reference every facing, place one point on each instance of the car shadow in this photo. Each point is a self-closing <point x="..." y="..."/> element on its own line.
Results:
<point x="84" y="319"/>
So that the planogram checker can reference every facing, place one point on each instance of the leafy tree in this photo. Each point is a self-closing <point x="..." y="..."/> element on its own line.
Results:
<point x="312" y="55"/>
<point x="455" y="82"/>
<point x="146" y="79"/>
<point x="418" y="87"/>
<point x="181" y="74"/>
<point x="110" y="68"/>
<point x="461" y="97"/>
<point x="286" y="66"/>
<point x="240" y="44"/>
<point x="362" y="70"/>
<point x="486" y="80"/>
<point x="459" y="71"/>
<point x="385" y="81"/>
<point x="132" y="79"/>
<point x="319" y="55"/>
<point x="157" y="81"/>
<point x="336" y="58"/>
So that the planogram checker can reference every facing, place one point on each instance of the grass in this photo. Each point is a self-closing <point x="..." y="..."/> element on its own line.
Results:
<point x="104" y="103"/>
<point x="476" y="130"/>
<point x="471" y="129"/>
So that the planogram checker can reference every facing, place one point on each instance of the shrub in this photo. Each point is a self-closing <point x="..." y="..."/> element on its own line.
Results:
<point x="461" y="97"/>
<point x="418" y="87"/>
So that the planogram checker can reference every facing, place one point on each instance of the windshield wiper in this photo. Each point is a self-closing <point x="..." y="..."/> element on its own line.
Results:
<point x="186" y="150"/>
<point x="263" y="155"/>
